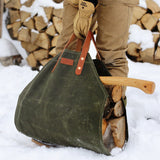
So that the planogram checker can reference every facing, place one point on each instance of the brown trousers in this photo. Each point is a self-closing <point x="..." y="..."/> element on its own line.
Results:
<point x="114" y="17"/>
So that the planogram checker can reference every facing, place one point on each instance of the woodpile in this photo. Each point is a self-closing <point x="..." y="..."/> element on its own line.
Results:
<point x="37" y="36"/>
<point x="147" y="19"/>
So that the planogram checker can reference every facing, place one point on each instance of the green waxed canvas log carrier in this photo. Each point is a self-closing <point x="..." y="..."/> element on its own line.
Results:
<point x="64" y="104"/>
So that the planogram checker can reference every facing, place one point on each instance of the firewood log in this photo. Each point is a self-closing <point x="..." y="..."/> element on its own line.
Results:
<point x="58" y="13"/>
<point x="24" y="15"/>
<point x="118" y="131"/>
<point x="156" y="15"/>
<point x="139" y="24"/>
<point x="156" y="36"/>
<point x="15" y="4"/>
<point x="32" y="61"/>
<point x="148" y="21"/>
<point x="118" y="109"/>
<point x="14" y="15"/>
<point x="134" y="49"/>
<point x="158" y="26"/>
<point x="53" y="52"/>
<point x="153" y="6"/>
<point x="43" y="41"/>
<point x="13" y="29"/>
<point x="40" y="54"/>
<point x="45" y="61"/>
<point x="138" y="12"/>
<point x="58" y="24"/>
<point x="51" y="30"/>
<point x="28" y="3"/>
<point x="34" y="36"/>
<point x="104" y="126"/>
<point x="29" y="47"/>
<point x="117" y="93"/>
<point x="29" y="23"/>
<point x="1" y="16"/>
<point x="54" y="41"/>
<point x="48" y="11"/>
<point x="39" y="23"/>
<point x="157" y="54"/>
<point x="24" y="35"/>
<point x="147" y="55"/>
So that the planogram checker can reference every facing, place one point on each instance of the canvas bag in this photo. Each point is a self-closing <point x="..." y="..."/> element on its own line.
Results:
<point x="64" y="103"/>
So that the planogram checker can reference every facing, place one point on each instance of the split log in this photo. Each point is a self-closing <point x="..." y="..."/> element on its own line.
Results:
<point x="53" y="52"/>
<point x="34" y="36"/>
<point x="40" y="23"/>
<point x="158" y="26"/>
<point x="156" y="15"/>
<point x="13" y="29"/>
<point x="43" y="41"/>
<point x="29" y="23"/>
<point x="156" y="36"/>
<point x="134" y="49"/>
<point x="157" y="54"/>
<point x="24" y="15"/>
<point x="15" y="4"/>
<point x="139" y="24"/>
<point x="138" y="12"/>
<point x="118" y="109"/>
<point x="45" y="61"/>
<point x="11" y="60"/>
<point x="28" y="3"/>
<point x="14" y="15"/>
<point x="29" y="47"/>
<point x="153" y="6"/>
<point x="58" y="13"/>
<point x="54" y="41"/>
<point x="24" y="35"/>
<point x="104" y="126"/>
<point x="48" y="11"/>
<point x="40" y="54"/>
<point x="147" y="55"/>
<point x="118" y="131"/>
<point x="116" y="93"/>
<point x="58" y="24"/>
<point x="148" y="21"/>
<point x="32" y="61"/>
<point x="51" y="30"/>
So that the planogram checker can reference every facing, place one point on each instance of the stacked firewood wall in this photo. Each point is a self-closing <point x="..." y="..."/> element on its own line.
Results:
<point x="147" y="19"/>
<point x="37" y="37"/>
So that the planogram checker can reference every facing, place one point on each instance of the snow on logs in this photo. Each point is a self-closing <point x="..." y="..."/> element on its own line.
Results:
<point x="38" y="34"/>
<point x="143" y="48"/>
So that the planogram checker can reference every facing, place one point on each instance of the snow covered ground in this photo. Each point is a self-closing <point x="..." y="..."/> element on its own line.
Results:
<point x="143" y="112"/>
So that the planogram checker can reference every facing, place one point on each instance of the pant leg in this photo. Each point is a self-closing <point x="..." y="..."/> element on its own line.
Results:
<point x="114" y="18"/>
<point x="68" y="17"/>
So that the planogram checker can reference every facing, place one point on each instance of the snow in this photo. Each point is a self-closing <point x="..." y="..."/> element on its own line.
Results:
<point x="37" y="7"/>
<point x="140" y="36"/>
<point x="143" y="112"/>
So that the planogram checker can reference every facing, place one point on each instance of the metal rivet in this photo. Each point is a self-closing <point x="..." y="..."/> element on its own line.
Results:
<point x="79" y="68"/>
<point x="82" y="58"/>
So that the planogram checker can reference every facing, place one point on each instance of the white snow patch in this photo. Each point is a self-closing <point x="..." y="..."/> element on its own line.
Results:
<point x="142" y="3"/>
<point x="140" y="36"/>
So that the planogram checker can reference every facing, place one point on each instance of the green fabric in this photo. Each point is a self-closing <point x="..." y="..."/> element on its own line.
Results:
<point x="63" y="108"/>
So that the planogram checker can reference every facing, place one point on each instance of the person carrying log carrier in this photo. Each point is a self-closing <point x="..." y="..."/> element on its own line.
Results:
<point x="113" y="18"/>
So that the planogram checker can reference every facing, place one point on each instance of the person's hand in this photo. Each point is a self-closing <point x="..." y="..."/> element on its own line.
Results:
<point x="83" y="18"/>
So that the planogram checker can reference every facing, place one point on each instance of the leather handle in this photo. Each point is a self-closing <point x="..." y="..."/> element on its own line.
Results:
<point x="146" y="86"/>
<point x="85" y="52"/>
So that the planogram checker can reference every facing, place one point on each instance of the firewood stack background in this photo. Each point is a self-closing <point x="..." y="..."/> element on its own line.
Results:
<point x="39" y="37"/>
<point x="147" y="19"/>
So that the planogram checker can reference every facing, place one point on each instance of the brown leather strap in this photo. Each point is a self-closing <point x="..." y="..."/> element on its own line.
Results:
<point x="84" y="52"/>
<point x="73" y="36"/>
<point x="79" y="45"/>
